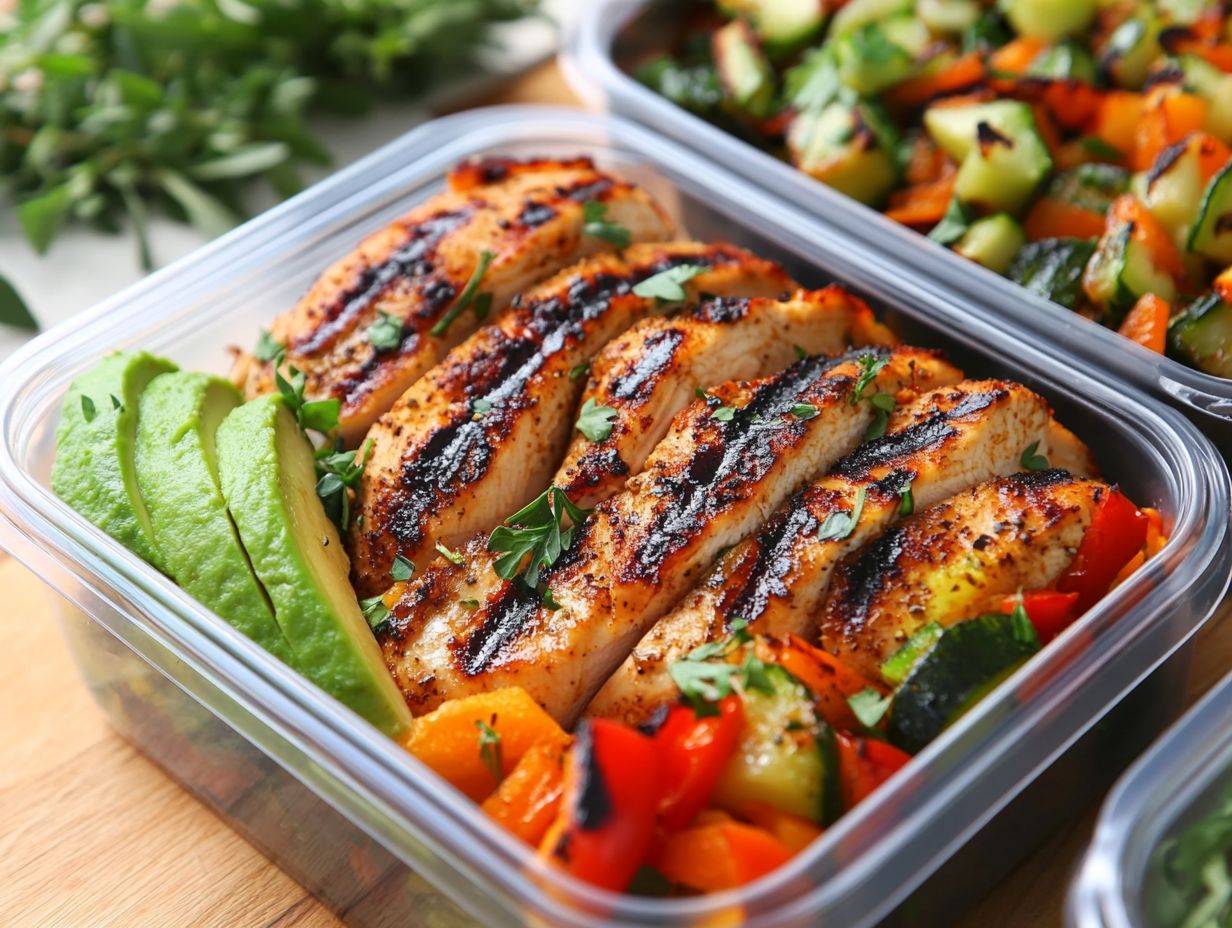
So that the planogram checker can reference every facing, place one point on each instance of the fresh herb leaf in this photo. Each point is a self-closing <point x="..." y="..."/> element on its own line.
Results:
<point x="467" y="296"/>
<point x="724" y="413"/>
<point x="804" y="410"/>
<point x="469" y="603"/>
<point x="883" y="405"/>
<point x="548" y="600"/>
<point x="907" y="506"/>
<point x="267" y="347"/>
<point x="480" y="407"/>
<point x="13" y="309"/>
<point x="668" y="286"/>
<point x="535" y="535"/>
<point x="580" y="370"/>
<point x="869" y="706"/>
<point x="595" y="421"/>
<point x="953" y="224"/>
<point x="337" y="476"/>
<point x="490" y="748"/>
<point x="1031" y="460"/>
<point x="706" y="674"/>
<point x="375" y="610"/>
<point x="454" y="557"/>
<point x="839" y="525"/>
<point x="870" y="366"/>
<point x="801" y="354"/>
<point x="318" y="415"/>
<point x="402" y="569"/>
<point x="88" y="410"/>
<point x="116" y="404"/>
<point x="386" y="333"/>
<point x="597" y="226"/>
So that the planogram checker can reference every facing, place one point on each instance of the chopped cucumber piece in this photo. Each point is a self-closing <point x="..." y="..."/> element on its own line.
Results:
<point x="992" y="242"/>
<point x="1127" y="55"/>
<point x="786" y="757"/>
<point x="1064" y="62"/>
<point x="1053" y="267"/>
<point x="744" y="70"/>
<point x="1212" y="230"/>
<point x="1089" y="186"/>
<point x="782" y="24"/>
<point x="1121" y="271"/>
<point x="967" y="661"/>
<point x="857" y="13"/>
<point x="839" y="147"/>
<point x="1050" y="20"/>
<point x="1172" y="188"/>
<point x="897" y="667"/>
<point x="948" y="16"/>
<point x="1215" y="87"/>
<point x="869" y="60"/>
<point x="1201" y="336"/>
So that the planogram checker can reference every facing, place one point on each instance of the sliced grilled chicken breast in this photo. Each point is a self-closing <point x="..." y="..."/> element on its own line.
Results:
<point x="479" y="435"/>
<point x="527" y="215"/>
<point x="954" y="560"/>
<point x="651" y="372"/>
<point x="936" y="445"/>
<point x="726" y="463"/>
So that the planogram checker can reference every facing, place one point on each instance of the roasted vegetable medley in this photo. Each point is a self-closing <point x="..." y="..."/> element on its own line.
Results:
<point x="664" y="559"/>
<point x="1080" y="148"/>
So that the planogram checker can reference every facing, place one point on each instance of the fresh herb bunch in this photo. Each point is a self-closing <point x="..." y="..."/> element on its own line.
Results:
<point x="111" y="106"/>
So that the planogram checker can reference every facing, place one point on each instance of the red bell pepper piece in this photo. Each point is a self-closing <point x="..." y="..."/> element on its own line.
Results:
<point x="606" y="824"/>
<point x="692" y="753"/>
<point x="864" y="764"/>
<point x="1117" y="532"/>
<point x="1050" y="611"/>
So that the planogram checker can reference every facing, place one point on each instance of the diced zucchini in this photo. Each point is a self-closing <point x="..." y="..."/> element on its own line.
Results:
<point x="857" y="13"/>
<point x="1201" y="336"/>
<point x="966" y="662"/>
<point x="992" y="241"/>
<point x="1053" y="267"/>
<point x="1172" y="188"/>
<point x="782" y="24"/>
<point x="1213" y="86"/>
<point x="948" y="16"/>
<point x="813" y="83"/>
<point x="694" y="87"/>
<point x="908" y="33"/>
<point x="1089" y="186"/>
<point x="1050" y="20"/>
<point x="1063" y="62"/>
<point x="744" y="70"/>
<point x="1003" y="157"/>
<point x="1127" y="55"/>
<point x="1212" y="230"/>
<point x="897" y="667"/>
<point x="869" y="59"/>
<point x="786" y="757"/>
<point x="1121" y="271"/>
<point x="837" y="146"/>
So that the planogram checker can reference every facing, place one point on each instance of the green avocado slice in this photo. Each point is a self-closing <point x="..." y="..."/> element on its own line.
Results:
<point x="177" y="473"/>
<point x="268" y="479"/>
<point x="94" y="470"/>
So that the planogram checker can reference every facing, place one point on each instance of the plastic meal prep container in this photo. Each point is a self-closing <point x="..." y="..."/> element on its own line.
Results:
<point x="382" y="840"/>
<point x="612" y="35"/>
<point x="1187" y="773"/>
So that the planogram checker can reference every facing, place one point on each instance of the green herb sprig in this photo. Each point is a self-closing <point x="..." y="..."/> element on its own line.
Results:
<point x="338" y="476"/>
<point x="706" y="674"/>
<point x="596" y="225"/>
<point x="490" y="748"/>
<point x="535" y="535"/>
<point x="595" y="421"/>
<point x="470" y="294"/>
<point x="839" y="525"/>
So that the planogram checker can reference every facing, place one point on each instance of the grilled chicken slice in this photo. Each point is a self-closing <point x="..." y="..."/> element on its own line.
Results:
<point x="956" y="560"/>
<point x="937" y="445"/>
<point x="479" y="435"/>
<point x="651" y="372"/>
<point x="527" y="215"/>
<point x="726" y="463"/>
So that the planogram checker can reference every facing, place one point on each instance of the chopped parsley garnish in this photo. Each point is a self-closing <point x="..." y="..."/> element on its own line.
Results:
<point x="597" y="226"/>
<point x="804" y="410"/>
<point x="386" y="333"/>
<point x="1031" y="459"/>
<point x="595" y="421"/>
<point x="337" y="476"/>
<point x="706" y="674"/>
<point x="319" y="415"/>
<point x="267" y="347"/>
<point x="375" y="610"/>
<point x="402" y="569"/>
<point x="907" y="506"/>
<point x="801" y="354"/>
<point x="883" y="405"/>
<point x="535" y="530"/>
<point x="580" y="370"/>
<point x="869" y="706"/>
<point x="469" y="603"/>
<point x="548" y="600"/>
<point x="954" y="224"/>
<point x="870" y="367"/>
<point x="724" y="413"/>
<point x="116" y="404"/>
<point x="88" y="409"/>
<point x="468" y="296"/>
<point x="839" y="525"/>
<point x="667" y="286"/>
<point x="453" y="557"/>
<point x="490" y="748"/>
<point x="479" y="407"/>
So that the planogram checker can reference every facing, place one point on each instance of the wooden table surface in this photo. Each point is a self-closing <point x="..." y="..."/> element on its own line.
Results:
<point x="93" y="835"/>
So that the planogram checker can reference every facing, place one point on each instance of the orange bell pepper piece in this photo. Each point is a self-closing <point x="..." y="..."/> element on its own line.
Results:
<point x="830" y="680"/>
<point x="794" y="832"/>
<point x="527" y="800"/>
<point x="1016" y="56"/>
<point x="923" y="204"/>
<point x="1147" y="230"/>
<point x="962" y="72"/>
<point x="721" y="856"/>
<point x="1117" y="120"/>
<point x="1147" y="322"/>
<point x="1223" y="285"/>
<point x="1050" y="218"/>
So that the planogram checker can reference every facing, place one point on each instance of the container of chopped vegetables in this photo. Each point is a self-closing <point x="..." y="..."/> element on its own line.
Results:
<point x="1076" y="157"/>
<point x="886" y="777"/>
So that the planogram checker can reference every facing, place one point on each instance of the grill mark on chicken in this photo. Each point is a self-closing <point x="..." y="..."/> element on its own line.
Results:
<point x="513" y="614"/>
<point x="635" y="386"/>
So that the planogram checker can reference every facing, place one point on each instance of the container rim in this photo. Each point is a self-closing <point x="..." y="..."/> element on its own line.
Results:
<point x="588" y="64"/>
<point x="404" y="791"/>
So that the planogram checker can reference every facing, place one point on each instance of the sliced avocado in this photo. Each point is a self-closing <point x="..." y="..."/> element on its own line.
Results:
<point x="268" y="479"/>
<point x="94" y="470"/>
<point x="177" y="473"/>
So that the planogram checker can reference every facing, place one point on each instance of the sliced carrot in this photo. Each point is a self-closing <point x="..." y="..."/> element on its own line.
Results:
<point x="1117" y="120"/>
<point x="721" y="856"/>
<point x="447" y="739"/>
<point x="1016" y="56"/>
<point x="961" y="72"/>
<point x="1051" y="218"/>
<point x="527" y="800"/>
<point x="1147" y="322"/>
<point x="830" y="679"/>
<point x="922" y="204"/>
<point x="794" y="832"/>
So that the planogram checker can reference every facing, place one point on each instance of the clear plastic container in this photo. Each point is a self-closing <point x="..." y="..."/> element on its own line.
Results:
<point x="1186" y="773"/>
<point x="384" y="841"/>
<point x="612" y="34"/>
